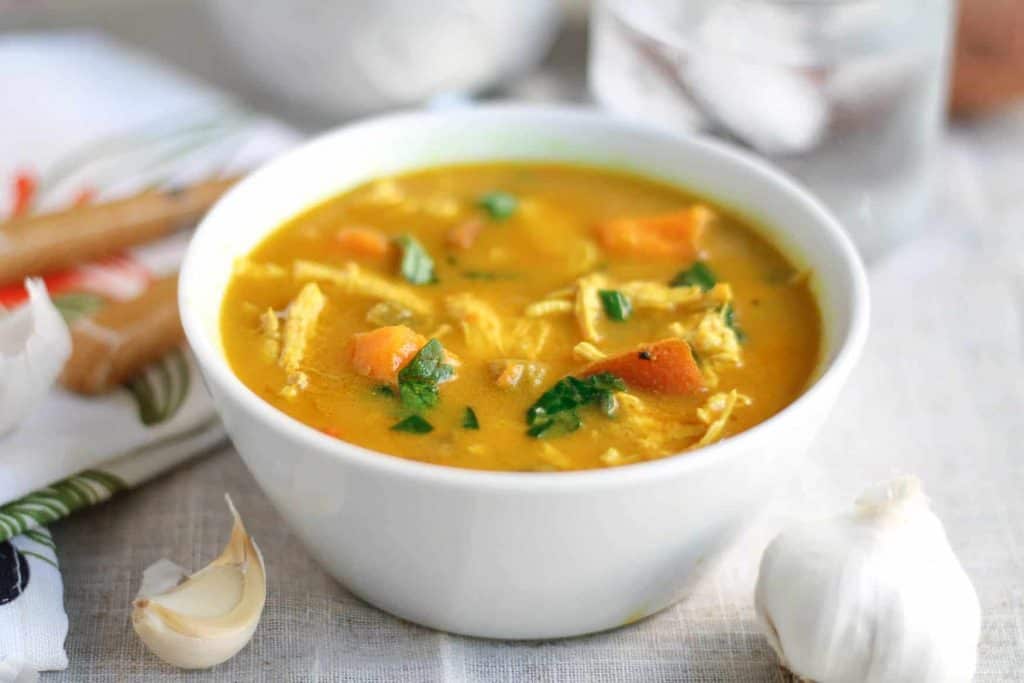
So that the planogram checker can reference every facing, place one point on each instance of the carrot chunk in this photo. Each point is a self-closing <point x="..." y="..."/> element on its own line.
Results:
<point x="463" y="235"/>
<point x="675" y="234"/>
<point x="381" y="353"/>
<point x="666" y="366"/>
<point x="364" y="242"/>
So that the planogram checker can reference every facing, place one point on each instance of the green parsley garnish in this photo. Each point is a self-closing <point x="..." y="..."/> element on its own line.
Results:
<point x="499" y="205"/>
<point x="697" y="275"/>
<point x="729" y="314"/>
<point x="469" y="420"/>
<point x="555" y="410"/>
<point x="488" y="275"/>
<point x="616" y="305"/>
<point x="417" y="267"/>
<point x="418" y="380"/>
<point x="383" y="390"/>
<point x="414" y="424"/>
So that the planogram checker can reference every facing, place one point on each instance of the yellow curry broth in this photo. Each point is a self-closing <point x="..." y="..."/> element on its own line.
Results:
<point x="546" y="244"/>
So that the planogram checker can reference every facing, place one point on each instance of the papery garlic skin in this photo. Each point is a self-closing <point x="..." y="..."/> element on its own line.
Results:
<point x="34" y="345"/>
<point x="212" y="614"/>
<point x="873" y="596"/>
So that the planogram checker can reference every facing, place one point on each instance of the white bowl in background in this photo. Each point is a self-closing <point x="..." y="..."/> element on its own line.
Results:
<point x="358" y="56"/>
<point x="506" y="554"/>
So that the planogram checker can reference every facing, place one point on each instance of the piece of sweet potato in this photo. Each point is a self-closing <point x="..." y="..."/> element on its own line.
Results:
<point x="666" y="366"/>
<point x="363" y="242"/>
<point x="672" y="235"/>
<point x="381" y="353"/>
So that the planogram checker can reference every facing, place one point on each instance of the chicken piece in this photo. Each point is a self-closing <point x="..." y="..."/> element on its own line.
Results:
<point x="657" y="295"/>
<point x="588" y="308"/>
<point x="243" y="267"/>
<point x="510" y="373"/>
<point x="666" y="367"/>
<point x="299" y="325"/>
<point x="270" y="328"/>
<point x="716" y="411"/>
<point x="480" y="325"/>
<point x="528" y="337"/>
<point x="354" y="280"/>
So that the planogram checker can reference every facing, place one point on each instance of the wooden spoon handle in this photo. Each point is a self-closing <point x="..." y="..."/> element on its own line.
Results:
<point x="122" y="338"/>
<point x="46" y="242"/>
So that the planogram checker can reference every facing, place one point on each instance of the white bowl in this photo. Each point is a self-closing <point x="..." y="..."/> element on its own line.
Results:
<point x="504" y="554"/>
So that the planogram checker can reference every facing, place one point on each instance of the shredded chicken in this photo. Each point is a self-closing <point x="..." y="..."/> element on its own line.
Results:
<point x="509" y="373"/>
<point x="613" y="457"/>
<point x="548" y="307"/>
<point x="588" y="352"/>
<point x="588" y="305"/>
<point x="480" y="325"/>
<point x="354" y="280"/>
<point x="648" y="294"/>
<point x="716" y="411"/>
<point x="299" y="326"/>
<point x="528" y="337"/>
<point x="714" y="343"/>
<point x="270" y="327"/>
<point x="553" y="457"/>
<point x="652" y="431"/>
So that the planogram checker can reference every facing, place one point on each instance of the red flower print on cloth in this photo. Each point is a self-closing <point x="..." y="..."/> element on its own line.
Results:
<point x="116" y="277"/>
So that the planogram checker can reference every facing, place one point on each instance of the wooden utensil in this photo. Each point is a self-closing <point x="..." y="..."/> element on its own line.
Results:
<point x="123" y="337"/>
<point x="39" y="244"/>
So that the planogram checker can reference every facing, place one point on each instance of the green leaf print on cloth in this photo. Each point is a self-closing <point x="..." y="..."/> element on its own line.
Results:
<point x="161" y="389"/>
<point x="57" y="501"/>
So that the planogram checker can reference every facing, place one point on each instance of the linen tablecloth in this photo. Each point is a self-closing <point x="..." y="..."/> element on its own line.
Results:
<point x="940" y="392"/>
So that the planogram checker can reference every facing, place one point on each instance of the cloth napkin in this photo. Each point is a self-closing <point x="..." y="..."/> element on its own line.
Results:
<point x="85" y="119"/>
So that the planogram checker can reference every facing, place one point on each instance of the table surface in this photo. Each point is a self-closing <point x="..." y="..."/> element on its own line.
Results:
<point x="939" y="393"/>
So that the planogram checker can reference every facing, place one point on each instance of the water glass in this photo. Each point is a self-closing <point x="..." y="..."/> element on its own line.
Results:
<point x="847" y="95"/>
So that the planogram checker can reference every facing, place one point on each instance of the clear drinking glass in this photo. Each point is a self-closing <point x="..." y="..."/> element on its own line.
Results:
<point x="847" y="95"/>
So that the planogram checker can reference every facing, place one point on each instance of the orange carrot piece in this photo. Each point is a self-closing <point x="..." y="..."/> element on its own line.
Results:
<point x="381" y="353"/>
<point x="463" y="235"/>
<point x="666" y="366"/>
<point x="364" y="242"/>
<point x="675" y="234"/>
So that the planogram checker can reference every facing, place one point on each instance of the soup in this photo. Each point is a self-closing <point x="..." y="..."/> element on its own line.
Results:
<point x="526" y="317"/>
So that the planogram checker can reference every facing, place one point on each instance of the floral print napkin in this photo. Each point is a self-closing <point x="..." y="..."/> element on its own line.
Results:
<point x="86" y="120"/>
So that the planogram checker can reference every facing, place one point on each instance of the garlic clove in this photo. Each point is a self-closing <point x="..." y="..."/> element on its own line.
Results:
<point x="34" y="345"/>
<point x="875" y="595"/>
<point x="211" y="615"/>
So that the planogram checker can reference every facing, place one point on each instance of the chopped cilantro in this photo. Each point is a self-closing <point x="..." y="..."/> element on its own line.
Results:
<point x="729" y="315"/>
<point x="697" y="275"/>
<point x="383" y="390"/>
<point x="414" y="424"/>
<point x="417" y="267"/>
<point x="418" y="380"/>
<point x="488" y="275"/>
<point x="469" y="420"/>
<point x="499" y="205"/>
<point x="555" y="411"/>
<point x="616" y="305"/>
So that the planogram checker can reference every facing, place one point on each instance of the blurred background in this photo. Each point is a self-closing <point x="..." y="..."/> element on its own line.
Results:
<point x="851" y="96"/>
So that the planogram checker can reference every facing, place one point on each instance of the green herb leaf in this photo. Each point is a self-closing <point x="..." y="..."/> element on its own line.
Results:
<point x="469" y="420"/>
<point x="729" y="314"/>
<point x="499" y="205"/>
<point x="417" y="267"/>
<point x="697" y="275"/>
<point x="555" y="411"/>
<point x="616" y="305"/>
<point x="418" y="380"/>
<point x="383" y="390"/>
<point x="414" y="424"/>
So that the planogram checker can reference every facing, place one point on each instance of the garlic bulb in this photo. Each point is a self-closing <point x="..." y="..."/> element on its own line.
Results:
<point x="875" y="595"/>
<point x="207" y="618"/>
<point x="34" y="345"/>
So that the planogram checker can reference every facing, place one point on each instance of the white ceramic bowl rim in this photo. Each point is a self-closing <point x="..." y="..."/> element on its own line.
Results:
<point x="847" y="352"/>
